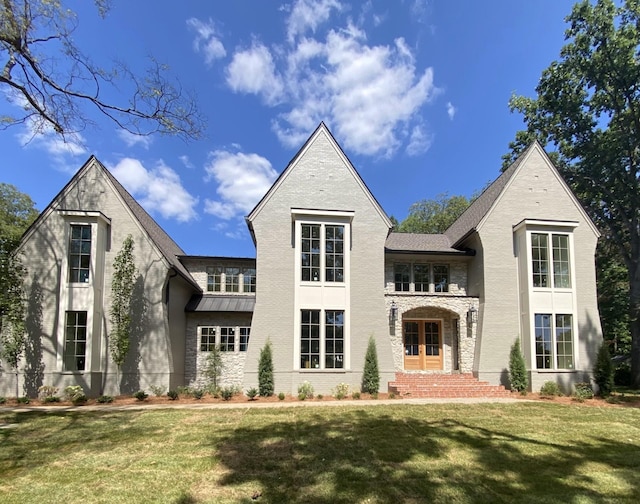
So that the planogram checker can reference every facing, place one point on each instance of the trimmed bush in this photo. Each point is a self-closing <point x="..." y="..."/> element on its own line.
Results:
<point x="603" y="371"/>
<point x="227" y="393"/>
<point x="371" y="374"/>
<point x="305" y="391"/>
<point x="517" y="369"/>
<point x="198" y="394"/>
<point x="341" y="391"/>
<point x="550" y="389"/>
<point x="173" y="395"/>
<point x="104" y="399"/>
<point x="582" y="392"/>
<point x="265" y="371"/>
<point x="252" y="393"/>
<point x="141" y="395"/>
<point x="158" y="390"/>
<point x="75" y="394"/>
<point x="281" y="396"/>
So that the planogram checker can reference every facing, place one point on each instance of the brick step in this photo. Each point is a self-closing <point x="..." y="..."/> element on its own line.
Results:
<point x="443" y="386"/>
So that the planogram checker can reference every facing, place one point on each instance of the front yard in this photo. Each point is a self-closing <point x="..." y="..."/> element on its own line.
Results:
<point x="521" y="452"/>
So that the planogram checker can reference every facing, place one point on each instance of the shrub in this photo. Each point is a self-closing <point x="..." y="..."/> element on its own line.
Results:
<point x="75" y="394"/>
<point x="371" y="374"/>
<point x="50" y="399"/>
<point x="355" y="395"/>
<point x="198" y="394"/>
<point x="306" y="389"/>
<point x="341" y="391"/>
<point x="141" y="395"/>
<point x="252" y="393"/>
<point x="47" y="394"/>
<point x="23" y="400"/>
<point x="319" y="396"/>
<point x="550" y="389"/>
<point x="301" y="396"/>
<point x="392" y="395"/>
<point x="3" y="399"/>
<point x="374" y="395"/>
<point x="281" y="396"/>
<point x="583" y="391"/>
<point x="104" y="399"/>
<point x="265" y="371"/>
<point x="214" y="366"/>
<point x="172" y="395"/>
<point x="227" y="393"/>
<point x="185" y="391"/>
<point x="158" y="390"/>
<point x="517" y="369"/>
<point x="603" y="371"/>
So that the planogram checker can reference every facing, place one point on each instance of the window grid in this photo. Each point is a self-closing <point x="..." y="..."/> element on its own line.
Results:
<point x="310" y="252"/>
<point x="421" y="278"/>
<point x="543" y="341"/>
<point x="334" y="253"/>
<point x="561" y="270"/>
<point x="214" y="279"/>
<point x="75" y="344"/>
<point x="334" y="339"/>
<point x="244" y="338"/>
<point x="207" y="339"/>
<point x="227" y="339"/>
<point x="564" y="341"/>
<point x="79" y="253"/>
<point x="401" y="277"/>
<point x="232" y="279"/>
<point x="310" y="339"/>
<point x="540" y="259"/>
<point x="249" y="279"/>
<point x="411" y="339"/>
<point x="441" y="277"/>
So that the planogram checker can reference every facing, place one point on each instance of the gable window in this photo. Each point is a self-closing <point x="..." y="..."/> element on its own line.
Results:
<point x="558" y="268"/>
<point x="310" y="252"/>
<point x="244" y="338"/>
<point x="227" y="339"/>
<point x="75" y="341"/>
<point x="214" y="279"/>
<point x="79" y="253"/>
<point x="207" y="339"/>
<point x="441" y="277"/>
<point x="401" y="277"/>
<point x="249" y="279"/>
<point x="232" y="279"/>
<point x="334" y="253"/>
<point x="554" y="341"/>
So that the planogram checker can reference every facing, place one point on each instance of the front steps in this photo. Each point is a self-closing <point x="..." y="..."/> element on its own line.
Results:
<point x="439" y="385"/>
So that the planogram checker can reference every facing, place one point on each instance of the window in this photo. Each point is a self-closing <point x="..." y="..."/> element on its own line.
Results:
<point x="334" y="254"/>
<point x="207" y="339"/>
<point x="79" y="253"/>
<point x="421" y="277"/>
<point x="441" y="277"/>
<point x="227" y="339"/>
<point x="401" y="277"/>
<point x="560" y="260"/>
<point x="244" y="338"/>
<point x="310" y="252"/>
<point x="75" y="341"/>
<point x="249" y="279"/>
<point x="334" y="339"/>
<point x="310" y="339"/>
<point x="322" y="252"/>
<point x="214" y="279"/>
<point x="546" y="358"/>
<point x="232" y="283"/>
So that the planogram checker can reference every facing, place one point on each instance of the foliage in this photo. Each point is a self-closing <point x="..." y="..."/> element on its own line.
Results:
<point x="603" y="370"/>
<point x="281" y="396"/>
<point x="198" y="393"/>
<point x="371" y="374"/>
<point x="158" y="390"/>
<point x="550" y="389"/>
<point x="341" y="391"/>
<point x="355" y="395"/>
<point x="517" y="369"/>
<point x="582" y="392"/>
<point x="227" y="393"/>
<point x="265" y="371"/>
<point x="105" y="399"/>
<point x="75" y="394"/>
<point x="622" y="375"/>
<point x="122" y="285"/>
<point x="141" y="395"/>
<point x="433" y="216"/>
<point x="47" y="393"/>
<point x="3" y="399"/>
<point x="173" y="394"/>
<point x="305" y="391"/>
<point x="23" y="400"/>
<point x="252" y="393"/>
<point x="588" y="108"/>
<point x="51" y="81"/>
<point x="214" y="366"/>
<point x="392" y="395"/>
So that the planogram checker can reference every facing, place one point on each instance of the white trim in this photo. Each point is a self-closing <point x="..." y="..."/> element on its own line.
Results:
<point x="348" y="214"/>
<point x="545" y="224"/>
<point x="88" y="214"/>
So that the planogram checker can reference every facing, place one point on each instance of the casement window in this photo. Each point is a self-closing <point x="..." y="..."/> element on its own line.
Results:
<point x="227" y="339"/>
<point x="80" y="253"/>
<point x="322" y="252"/>
<point x="207" y="339"/>
<point x="214" y="279"/>
<point x="244" y="338"/>
<point x="421" y="276"/>
<point x="75" y="341"/>
<point x="550" y="260"/>
<point x="402" y="277"/>
<point x="554" y="341"/>
<point x="322" y="339"/>
<point x="249" y="279"/>
<point x="232" y="279"/>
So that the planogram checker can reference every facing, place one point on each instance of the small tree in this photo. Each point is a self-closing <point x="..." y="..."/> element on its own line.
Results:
<point x="265" y="371"/>
<point x="371" y="375"/>
<point x="603" y="370"/>
<point x="517" y="369"/>
<point x="214" y="367"/>
<point x="12" y="344"/>
<point x="122" y="285"/>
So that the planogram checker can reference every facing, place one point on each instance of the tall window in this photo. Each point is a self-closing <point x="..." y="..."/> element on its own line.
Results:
<point x="214" y="279"/>
<point x="227" y="339"/>
<point x="554" y="341"/>
<point x="244" y="338"/>
<point x="561" y="264"/>
<point x="322" y="253"/>
<point x="207" y="339"/>
<point x="421" y="277"/>
<point x="75" y="341"/>
<point x="441" y="277"/>
<point x="80" y="253"/>
<point x="334" y="339"/>
<point x="310" y="252"/>
<point x="402" y="278"/>
<point x="334" y="253"/>
<point x="310" y="339"/>
<point x="249" y="279"/>
<point x="232" y="279"/>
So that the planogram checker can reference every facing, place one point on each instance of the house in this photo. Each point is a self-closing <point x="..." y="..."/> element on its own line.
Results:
<point x="329" y="274"/>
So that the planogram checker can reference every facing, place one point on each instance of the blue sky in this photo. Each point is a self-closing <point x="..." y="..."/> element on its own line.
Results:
<point x="416" y="92"/>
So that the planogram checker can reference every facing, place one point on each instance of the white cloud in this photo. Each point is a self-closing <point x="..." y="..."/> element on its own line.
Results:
<point x="132" y="139"/>
<point x="242" y="179"/>
<point x="158" y="189"/>
<point x="419" y="141"/>
<point x="253" y="71"/>
<point x="308" y="15"/>
<point x="451" y="110"/>
<point x="206" y="40"/>
<point x="38" y="134"/>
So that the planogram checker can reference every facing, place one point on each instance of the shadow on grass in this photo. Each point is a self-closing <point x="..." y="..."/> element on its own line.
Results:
<point x="360" y="456"/>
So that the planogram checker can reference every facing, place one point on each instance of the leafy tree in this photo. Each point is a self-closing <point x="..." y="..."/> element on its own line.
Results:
<point x="265" y="371"/>
<point x="603" y="370"/>
<point x="371" y="374"/>
<point x="122" y="285"/>
<point x="588" y="109"/>
<point x="517" y="369"/>
<point x="433" y="216"/>
<point x="214" y="367"/>
<point x="17" y="212"/>
<point x="50" y="80"/>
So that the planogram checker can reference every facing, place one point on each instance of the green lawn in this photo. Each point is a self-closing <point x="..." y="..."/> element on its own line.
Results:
<point x="485" y="453"/>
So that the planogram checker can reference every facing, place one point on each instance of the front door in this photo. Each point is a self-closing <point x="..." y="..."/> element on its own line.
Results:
<point x="422" y="345"/>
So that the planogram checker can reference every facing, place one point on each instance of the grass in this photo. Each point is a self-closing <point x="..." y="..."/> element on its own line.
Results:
<point x="524" y="452"/>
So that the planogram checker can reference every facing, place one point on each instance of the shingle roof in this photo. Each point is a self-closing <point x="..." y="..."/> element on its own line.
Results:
<point x="209" y="303"/>
<point x="419" y="243"/>
<point x="470" y="219"/>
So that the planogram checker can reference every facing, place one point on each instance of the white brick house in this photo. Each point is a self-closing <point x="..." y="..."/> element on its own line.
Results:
<point x="329" y="273"/>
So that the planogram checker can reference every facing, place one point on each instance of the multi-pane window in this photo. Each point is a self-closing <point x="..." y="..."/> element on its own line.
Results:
<point x="214" y="279"/>
<point x="421" y="277"/>
<point x="411" y="339"/>
<point x="560" y="263"/>
<point x="441" y="277"/>
<point x="334" y="339"/>
<point x="232" y="279"/>
<point x="310" y="339"/>
<point x="244" y="338"/>
<point x="554" y="341"/>
<point x="334" y="253"/>
<point x="75" y="341"/>
<point x="402" y="277"/>
<point x="227" y="339"/>
<point x="80" y="253"/>
<point x="207" y="339"/>
<point x="249" y="279"/>
<point x="310" y="252"/>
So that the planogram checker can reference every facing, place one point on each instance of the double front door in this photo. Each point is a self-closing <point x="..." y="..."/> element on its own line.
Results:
<point x="422" y="344"/>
